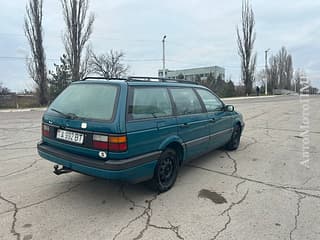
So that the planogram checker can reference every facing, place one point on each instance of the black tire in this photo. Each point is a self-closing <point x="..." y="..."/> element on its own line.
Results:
<point x="166" y="171"/>
<point x="234" y="142"/>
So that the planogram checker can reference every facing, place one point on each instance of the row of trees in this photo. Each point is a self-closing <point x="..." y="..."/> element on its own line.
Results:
<point x="78" y="60"/>
<point x="218" y="85"/>
<point x="280" y="73"/>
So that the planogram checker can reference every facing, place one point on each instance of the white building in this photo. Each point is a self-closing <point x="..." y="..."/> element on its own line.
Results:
<point x="192" y="74"/>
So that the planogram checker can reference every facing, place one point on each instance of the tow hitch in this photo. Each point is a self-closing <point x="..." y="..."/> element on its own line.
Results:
<point x="62" y="170"/>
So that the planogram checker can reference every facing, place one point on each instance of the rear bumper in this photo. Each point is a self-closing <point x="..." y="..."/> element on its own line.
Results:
<point x="135" y="169"/>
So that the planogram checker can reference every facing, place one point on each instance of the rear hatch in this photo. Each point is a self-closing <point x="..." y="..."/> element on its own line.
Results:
<point x="85" y="119"/>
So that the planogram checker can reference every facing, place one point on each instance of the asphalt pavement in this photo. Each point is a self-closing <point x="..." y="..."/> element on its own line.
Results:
<point x="268" y="189"/>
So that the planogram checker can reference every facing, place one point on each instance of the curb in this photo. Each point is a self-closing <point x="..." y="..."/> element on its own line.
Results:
<point x="22" y="110"/>
<point x="253" y="97"/>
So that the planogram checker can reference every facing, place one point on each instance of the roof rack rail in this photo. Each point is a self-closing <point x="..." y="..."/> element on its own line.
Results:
<point x="138" y="78"/>
<point x="102" y="78"/>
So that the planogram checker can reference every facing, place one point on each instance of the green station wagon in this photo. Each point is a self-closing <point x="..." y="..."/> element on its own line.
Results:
<point x="135" y="129"/>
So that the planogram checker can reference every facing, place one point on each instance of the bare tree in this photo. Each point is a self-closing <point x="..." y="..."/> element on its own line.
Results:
<point x="259" y="77"/>
<point x="298" y="75"/>
<point x="246" y="41"/>
<point x="108" y="65"/>
<point x="37" y="64"/>
<point x="78" y="31"/>
<point x="273" y="73"/>
<point x="280" y="73"/>
<point x="285" y="68"/>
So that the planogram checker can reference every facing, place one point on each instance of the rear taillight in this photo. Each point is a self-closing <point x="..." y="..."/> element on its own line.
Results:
<point x="117" y="143"/>
<point x="45" y="130"/>
<point x="111" y="143"/>
<point x="100" y="142"/>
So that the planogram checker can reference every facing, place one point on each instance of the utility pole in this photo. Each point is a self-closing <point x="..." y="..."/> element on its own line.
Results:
<point x="163" y="57"/>
<point x="266" y="71"/>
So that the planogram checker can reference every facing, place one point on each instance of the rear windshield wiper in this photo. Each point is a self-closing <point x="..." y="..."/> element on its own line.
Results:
<point x="66" y="115"/>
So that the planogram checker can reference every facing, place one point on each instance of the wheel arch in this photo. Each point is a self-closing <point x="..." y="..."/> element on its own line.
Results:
<point x="176" y="144"/>
<point x="238" y="122"/>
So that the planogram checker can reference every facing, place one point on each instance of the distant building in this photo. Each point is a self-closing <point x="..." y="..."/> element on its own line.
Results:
<point x="191" y="74"/>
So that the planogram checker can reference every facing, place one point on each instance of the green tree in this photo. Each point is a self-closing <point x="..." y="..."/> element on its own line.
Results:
<point x="220" y="86"/>
<point x="180" y="76"/>
<point x="60" y="77"/>
<point x="198" y="79"/>
<point x="229" y="89"/>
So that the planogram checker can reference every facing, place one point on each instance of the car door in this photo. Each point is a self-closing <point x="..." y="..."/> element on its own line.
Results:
<point x="220" y="120"/>
<point x="150" y="119"/>
<point x="192" y="121"/>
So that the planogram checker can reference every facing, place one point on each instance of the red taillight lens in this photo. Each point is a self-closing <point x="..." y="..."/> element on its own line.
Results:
<point x="111" y="143"/>
<point x="100" y="145"/>
<point x="45" y="130"/>
<point x="117" y="147"/>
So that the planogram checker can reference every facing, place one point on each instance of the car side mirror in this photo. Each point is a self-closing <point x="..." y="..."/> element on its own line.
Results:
<point x="229" y="108"/>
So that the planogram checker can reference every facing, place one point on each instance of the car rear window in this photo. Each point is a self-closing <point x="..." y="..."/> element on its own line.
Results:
<point x="91" y="101"/>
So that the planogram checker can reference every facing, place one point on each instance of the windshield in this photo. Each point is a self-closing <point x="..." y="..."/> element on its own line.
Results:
<point x="93" y="101"/>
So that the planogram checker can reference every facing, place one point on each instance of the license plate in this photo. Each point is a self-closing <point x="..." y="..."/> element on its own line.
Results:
<point x="70" y="136"/>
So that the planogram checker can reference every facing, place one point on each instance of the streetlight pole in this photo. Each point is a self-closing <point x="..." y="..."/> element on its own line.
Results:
<point x="163" y="57"/>
<point x="266" y="70"/>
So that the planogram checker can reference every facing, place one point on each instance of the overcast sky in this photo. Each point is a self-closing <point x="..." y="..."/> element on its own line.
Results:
<point x="199" y="33"/>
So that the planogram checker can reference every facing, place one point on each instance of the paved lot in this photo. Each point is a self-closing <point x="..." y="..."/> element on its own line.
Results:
<point x="261" y="191"/>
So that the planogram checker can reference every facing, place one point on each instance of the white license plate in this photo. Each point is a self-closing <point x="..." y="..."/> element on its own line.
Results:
<point x="70" y="136"/>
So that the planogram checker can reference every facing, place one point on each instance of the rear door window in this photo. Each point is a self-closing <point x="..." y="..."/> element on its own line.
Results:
<point x="149" y="102"/>
<point x="186" y="101"/>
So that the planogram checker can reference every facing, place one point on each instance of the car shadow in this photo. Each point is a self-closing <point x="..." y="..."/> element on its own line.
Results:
<point x="90" y="191"/>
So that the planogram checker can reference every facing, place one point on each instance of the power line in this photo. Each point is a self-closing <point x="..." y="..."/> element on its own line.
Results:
<point x="23" y="58"/>
<point x="142" y="60"/>
<point x="4" y="58"/>
<point x="94" y="36"/>
<point x="17" y="58"/>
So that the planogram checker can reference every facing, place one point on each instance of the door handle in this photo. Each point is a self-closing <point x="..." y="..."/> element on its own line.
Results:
<point x="212" y="120"/>
<point x="184" y="125"/>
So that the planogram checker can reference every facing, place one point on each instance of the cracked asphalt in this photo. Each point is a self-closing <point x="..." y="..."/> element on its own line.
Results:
<point x="260" y="191"/>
